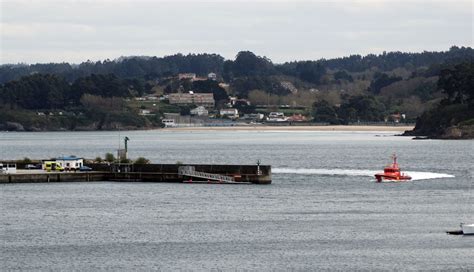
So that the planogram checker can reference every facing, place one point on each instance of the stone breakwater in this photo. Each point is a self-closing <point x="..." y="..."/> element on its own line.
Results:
<point x="144" y="173"/>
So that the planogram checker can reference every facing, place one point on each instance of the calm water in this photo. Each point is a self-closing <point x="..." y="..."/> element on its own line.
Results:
<point x="323" y="211"/>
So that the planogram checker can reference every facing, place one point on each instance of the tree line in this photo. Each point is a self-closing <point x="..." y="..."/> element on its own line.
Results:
<point x="246" y="64"/>
<point x="48" y="91"/>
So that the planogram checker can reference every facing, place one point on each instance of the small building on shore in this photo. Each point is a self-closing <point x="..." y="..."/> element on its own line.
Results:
<point x="212" y="76"/>
<point x="200" y="111"/>
<point x="70" y="162"/>
<point x="277" y="117"/>
<point x="231" y="113"/>
<point x="297" y="118"/>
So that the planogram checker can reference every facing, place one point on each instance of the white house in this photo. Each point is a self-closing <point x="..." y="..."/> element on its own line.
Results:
<point x="234" y="101"/>
<point x="169" y="123"/>
<point x="254" y="116"/>
<point x="70" y="163"/>
<point x="277" y="117"/>
<point x="212" y="76"/>
<point x="231" y="113"/>
<point x="200" y="111"/>
<point x="145" y="112"/>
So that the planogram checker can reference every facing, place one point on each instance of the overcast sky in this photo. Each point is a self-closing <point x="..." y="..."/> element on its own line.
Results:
<point x="77" y="30"/>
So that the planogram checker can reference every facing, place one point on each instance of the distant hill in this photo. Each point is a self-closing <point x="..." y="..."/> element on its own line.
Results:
<point x="202" y="64"/>
<point x="389" y="87"/>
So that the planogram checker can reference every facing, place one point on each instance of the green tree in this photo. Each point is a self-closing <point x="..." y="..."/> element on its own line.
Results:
<point x="102" y="85"/>
<point x="458" y="83"/>
<point x="109" y="157"/>
<point x="248" y="64"/>
<point x="310" y="71"/>
<point x="142" y="160"/>
<point x="323" y="112"/>
<point x="343" y="75"/>
<point x="381" y="80"/>
<point x="26" y="160"/>
<point x="39" y="91"/>
<point x="362" y="108"/>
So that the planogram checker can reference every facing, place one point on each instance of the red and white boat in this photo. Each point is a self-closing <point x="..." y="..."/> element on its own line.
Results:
<point x="392" y="172"/>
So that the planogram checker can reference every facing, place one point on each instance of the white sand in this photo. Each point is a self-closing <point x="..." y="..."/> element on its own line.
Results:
<point x="295" y="128"/>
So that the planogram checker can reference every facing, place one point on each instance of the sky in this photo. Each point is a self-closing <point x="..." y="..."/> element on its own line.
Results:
<point x="42" y="31"/>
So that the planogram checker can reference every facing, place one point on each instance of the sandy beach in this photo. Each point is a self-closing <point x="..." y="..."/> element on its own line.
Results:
<point x="296" y="128"/>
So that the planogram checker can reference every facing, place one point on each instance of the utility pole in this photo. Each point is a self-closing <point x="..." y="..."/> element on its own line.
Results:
<point x="126" y="139"/>
<point x="258" y="168"/>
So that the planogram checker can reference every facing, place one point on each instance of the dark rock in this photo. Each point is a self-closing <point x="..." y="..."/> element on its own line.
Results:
<point x="13" y="126"/>
<point x="452" y="133"/>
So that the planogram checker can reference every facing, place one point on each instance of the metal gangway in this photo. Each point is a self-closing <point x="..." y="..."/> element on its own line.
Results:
<point x="191" y="172"/>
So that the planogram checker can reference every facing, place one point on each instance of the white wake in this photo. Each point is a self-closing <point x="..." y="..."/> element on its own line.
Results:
<point x="356" y="172"/>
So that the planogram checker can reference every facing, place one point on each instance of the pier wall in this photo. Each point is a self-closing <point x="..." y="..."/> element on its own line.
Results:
<point x="142" y="173"/>
<point x="52" y="177"/>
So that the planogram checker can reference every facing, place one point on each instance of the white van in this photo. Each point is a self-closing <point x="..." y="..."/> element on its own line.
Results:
<point x="9" y="168"/>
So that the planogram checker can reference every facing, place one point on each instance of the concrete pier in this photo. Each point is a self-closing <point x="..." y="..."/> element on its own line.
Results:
<point x="143" y="173"/>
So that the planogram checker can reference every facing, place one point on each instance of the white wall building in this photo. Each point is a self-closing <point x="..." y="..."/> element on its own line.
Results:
<point x="198" y="99"/>
<point x="212" y="76"/>
<point x="169" y="122"/>
<point x="70" y="163"/>
<point x="277" y="117"/>
<point x="200" y="111"/>
<point x="231" y="113"/>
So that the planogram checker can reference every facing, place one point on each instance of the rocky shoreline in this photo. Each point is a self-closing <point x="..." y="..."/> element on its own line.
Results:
<point x="463" y="132"/>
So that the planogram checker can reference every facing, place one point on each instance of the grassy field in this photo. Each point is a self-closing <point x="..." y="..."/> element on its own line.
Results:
<point x="153" y="106"/>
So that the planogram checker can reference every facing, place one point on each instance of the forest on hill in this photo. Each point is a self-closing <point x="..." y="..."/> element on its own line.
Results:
<point x="94" y="95"/>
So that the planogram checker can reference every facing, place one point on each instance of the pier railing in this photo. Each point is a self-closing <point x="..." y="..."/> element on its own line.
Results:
<point x="191" y="172"/>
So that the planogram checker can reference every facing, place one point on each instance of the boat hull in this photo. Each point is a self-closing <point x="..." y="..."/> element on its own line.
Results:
<point x="384" y="177"/>
<point x="467" y="229"/>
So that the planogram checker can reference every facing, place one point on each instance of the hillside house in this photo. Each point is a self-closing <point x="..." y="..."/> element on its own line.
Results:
<point x="231" y="113"/>
<point x="198" y="99"/>
<point x="212" y="76"/>
<point x="200" y="111"/>
<point x="236" y="101"/>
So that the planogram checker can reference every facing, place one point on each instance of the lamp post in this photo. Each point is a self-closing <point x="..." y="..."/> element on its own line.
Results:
<point x="126" y="139"/>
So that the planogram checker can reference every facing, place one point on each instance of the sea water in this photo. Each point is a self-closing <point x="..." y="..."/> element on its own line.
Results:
<point x="323" y="210"/>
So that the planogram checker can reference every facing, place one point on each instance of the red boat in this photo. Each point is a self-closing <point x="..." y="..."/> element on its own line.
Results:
<point x="392" y="172"/>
